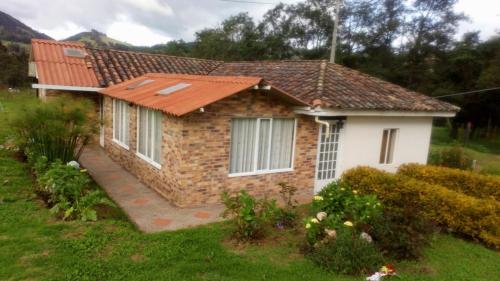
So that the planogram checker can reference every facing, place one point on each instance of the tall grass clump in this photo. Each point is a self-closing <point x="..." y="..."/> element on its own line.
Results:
<point x="58" y="129"/>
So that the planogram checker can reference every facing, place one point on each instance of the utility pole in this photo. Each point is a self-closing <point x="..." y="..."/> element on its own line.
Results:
<point x="335" y="30"/>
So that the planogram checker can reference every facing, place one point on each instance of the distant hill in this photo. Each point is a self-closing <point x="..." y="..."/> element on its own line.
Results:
<point x="98" y="39"/>
<point x="12" y="30"/>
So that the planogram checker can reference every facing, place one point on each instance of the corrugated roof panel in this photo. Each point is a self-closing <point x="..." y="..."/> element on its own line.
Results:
<point x="202" y="90"/>
<point x="56" y="68"/>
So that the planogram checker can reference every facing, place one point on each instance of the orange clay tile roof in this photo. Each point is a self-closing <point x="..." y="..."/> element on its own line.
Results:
<point x="202" y="91"/>
<point x="113" y="66"/>
<point x="336" y="86"/>
<point x="333" y="85"/>
<point x="55" y="68"/>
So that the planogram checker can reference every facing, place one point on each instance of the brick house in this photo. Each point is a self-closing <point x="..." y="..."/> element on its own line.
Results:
<point x="189" y="128"/>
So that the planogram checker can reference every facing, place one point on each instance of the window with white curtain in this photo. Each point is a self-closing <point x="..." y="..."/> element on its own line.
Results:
<point x="121" y="123"/>
<point x="149" y="135"/>
<point x="388" y="144"/>
<point x="261" y="145"/>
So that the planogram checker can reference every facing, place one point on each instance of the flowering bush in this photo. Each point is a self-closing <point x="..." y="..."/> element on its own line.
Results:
<point x="337" y="232"/>
<point x="339" y="205"/>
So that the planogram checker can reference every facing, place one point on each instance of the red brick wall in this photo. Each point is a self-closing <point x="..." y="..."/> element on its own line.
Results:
<point x="195" y="151"/>
<point x="206" y="146"/>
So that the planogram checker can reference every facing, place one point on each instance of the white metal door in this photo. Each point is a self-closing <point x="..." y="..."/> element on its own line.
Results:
<point x="326" y="163"/>
<point x="101" y="121"/>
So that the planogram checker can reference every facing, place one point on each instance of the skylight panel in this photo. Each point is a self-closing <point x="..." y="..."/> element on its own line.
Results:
<point x="173" y="88"/>
<point x="73" y="52"/>
<point x="139" y="84"/>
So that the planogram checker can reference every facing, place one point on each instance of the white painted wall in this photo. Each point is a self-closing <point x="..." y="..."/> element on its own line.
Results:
<point x="361" y="141"/>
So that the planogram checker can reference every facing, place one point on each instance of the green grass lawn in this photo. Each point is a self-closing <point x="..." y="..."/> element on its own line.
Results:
<point x="35" y="246"/>
<point x="485" y="152"/>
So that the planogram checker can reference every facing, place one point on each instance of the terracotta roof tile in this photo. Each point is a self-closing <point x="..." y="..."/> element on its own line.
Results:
<point x="55" y="68"/>
<point x="335" y="85"/>
<point x="113" y="67"/>
<point x="202" y="90"/>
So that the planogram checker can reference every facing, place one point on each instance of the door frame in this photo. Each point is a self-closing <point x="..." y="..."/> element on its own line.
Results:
<point x="319" y="184"/>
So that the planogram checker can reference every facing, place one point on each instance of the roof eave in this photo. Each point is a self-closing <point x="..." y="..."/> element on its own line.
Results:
<point x="317" y="111"/>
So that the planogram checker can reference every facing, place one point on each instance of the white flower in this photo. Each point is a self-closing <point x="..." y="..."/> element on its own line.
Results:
<point x="314" y="220"/>
<point x="308" y="225"/>
<point x="331" y="232"/>
<point x="73" y="164"/>
<point x="365" y="236"/>
<point x="321" y="216"/>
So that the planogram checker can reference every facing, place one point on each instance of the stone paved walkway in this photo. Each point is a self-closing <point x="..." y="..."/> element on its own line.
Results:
<point x="145" y="208"/>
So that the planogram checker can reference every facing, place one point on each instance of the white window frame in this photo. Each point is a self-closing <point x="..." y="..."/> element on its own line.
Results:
<point x="140" y="155"/>
<point x="255" y="160"/>
<point x="387" y="145"/>
<point x="124" y="124"/>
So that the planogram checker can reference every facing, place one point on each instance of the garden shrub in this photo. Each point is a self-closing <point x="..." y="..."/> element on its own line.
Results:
<point x="339" y="232"/>
<point x="287" y="216"/>
<point x="453" y="157"/>
<point x="58" y="129"/>
<point x="69" y="193"/>
<point x="249" y="215"/>
<point x="348" y="253"/>
<point x="467" y="215"/>
<point x="470" y="183"/>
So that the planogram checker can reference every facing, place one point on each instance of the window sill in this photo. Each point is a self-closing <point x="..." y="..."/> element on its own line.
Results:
<point x="149" y="160"/>
<point x="260" y="173"/>
<point x="121" y="144"/>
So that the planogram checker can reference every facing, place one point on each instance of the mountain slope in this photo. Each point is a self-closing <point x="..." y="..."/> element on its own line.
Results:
<point x="12" y="30"/>
<point x="98" y="39"/>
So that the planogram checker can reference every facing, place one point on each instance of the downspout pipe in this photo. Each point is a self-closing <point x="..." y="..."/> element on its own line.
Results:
<point x="327" y="124"/>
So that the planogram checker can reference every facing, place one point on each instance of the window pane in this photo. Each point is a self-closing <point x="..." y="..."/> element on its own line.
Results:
<point x="142" y="130"/>
<point x="384" y="147"/>
<point x="282" y="143"/>
<point x="392" y="142"/>
<point x="158" y="137"/>
<point x="243" y="133"/>
<point x="263" y="144"/>
<point x="149" y="134"/>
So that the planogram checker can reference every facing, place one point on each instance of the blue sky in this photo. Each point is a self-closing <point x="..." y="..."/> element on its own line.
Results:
<point x="148" y="22"/>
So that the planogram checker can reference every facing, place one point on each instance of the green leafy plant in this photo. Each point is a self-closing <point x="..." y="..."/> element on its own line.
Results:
<point x="287" y="216"/>
<point x="69" y="193"/>
<point x="454" y="157"/>
<point x="248" y="214"/>
<point x="347" y="253"/>
<point x="336" y="204"/>
<point x="58" y="129"/>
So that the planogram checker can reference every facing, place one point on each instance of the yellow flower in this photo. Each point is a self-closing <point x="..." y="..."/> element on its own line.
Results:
<point x="314" y="220"/>
<point x="83" y="170"/>
<point x="318" y="198"/>
<point x="348" y="223"/>
<point x="308" y="225"/>
<point x="342" y="188"/>
<point x="355" y="191"/>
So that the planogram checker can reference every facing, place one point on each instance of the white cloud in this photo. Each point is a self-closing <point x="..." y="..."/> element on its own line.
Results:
<point x="147" y="22"/>
<point x="153" y="6"/>
<point x="126" y="30"/>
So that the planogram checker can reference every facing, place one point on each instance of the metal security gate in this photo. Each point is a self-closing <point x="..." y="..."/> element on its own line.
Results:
<point x="326" y="163"/>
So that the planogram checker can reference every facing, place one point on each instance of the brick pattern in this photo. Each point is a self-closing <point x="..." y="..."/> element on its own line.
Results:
<point x="206" y="149"/>
<point x="196" y="148"/>
<point x="165" y="180"/>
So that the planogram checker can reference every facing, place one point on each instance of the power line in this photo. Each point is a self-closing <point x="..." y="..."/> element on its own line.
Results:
<point x="469" y="92"/>
<point x="249" y="2"/>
